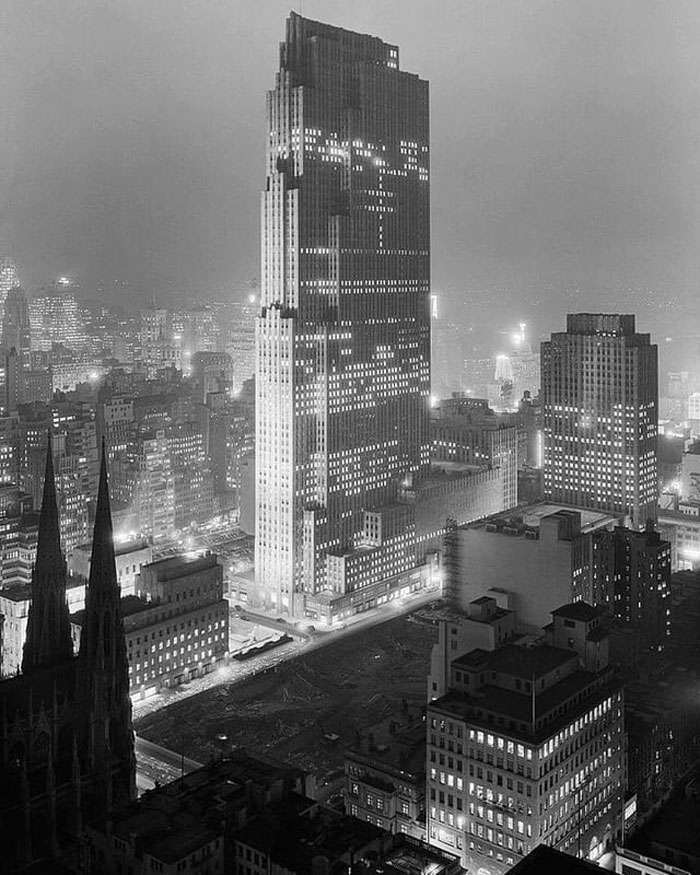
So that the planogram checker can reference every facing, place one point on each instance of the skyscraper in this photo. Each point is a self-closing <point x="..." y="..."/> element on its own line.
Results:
<point x="599" y="396"/>
<point x="343" y="339"/>
<point x="16" y="332"/>
<point x="9" y="276"/>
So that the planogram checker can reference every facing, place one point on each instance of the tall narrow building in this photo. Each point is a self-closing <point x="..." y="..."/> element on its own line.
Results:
<point x="600" y="416"/>
<point x="16" y="330"/>
<point x="343" y="339"/>
<point x="9" y="276"/>
<point x="103" y="669"/>
<point x="48" y="640"/>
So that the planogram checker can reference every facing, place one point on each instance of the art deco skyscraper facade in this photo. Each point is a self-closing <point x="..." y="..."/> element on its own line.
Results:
<point x="600" y="402"/>
<point x="343" y="339"/>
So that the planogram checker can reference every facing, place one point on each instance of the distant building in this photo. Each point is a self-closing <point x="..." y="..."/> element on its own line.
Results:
<point x="530" y="422"/>
<point x="213" y="372"/>
<point x="159" y="348"/>
<point x="632" y="574"/>
<point x="153" y="503"/>
<point x="600" y="412"/>
<point x="9" y="449"/>
<point x="16" y="331"/>
<point x="65" y="377"/>
<point x="681" y="528"/>
<point x="14" y="606"/>
<point x="241" y="346"/>
<point x="515" y="748"/>
<point x="466" y="430"/>
<point x="55" y="317"/>
<point x="690" y="473"/>
<point x="193" y="484"/>
<point x="694" y="414"/>
<point x="663" y="726"/>
<point x="19" y="530"/>
<point x="130" y="557"/>
<point x="9" y="277"/>
<point x="631" y="863"/>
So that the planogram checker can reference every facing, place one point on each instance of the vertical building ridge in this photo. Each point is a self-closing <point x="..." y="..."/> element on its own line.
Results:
<point x="48" y="639"/>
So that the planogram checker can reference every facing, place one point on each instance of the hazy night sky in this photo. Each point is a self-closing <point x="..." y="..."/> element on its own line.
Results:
<point x="565" y="138"/>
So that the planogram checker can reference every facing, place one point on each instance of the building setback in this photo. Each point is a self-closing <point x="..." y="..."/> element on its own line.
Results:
<point x="343" y="339"/>
<point x="600" y="412"/>
<point x="527" y="747"/>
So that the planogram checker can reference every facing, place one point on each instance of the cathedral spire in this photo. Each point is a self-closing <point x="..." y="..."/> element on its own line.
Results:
<point x="104" y="667"/>
<point x="48" y="638"/>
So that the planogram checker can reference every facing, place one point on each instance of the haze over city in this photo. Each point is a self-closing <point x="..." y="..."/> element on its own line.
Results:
<point x="349" y="437"/>
<point x="564" y="144"/>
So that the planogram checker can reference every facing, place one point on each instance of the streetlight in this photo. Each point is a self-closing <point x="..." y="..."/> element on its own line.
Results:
<point x="222" y="738"/>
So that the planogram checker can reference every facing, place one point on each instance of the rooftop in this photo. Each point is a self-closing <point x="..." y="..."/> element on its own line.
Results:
<point x="676" y="827"/>
<point x="516" y="709"/>
<point x="413" y="857"/>
<point x="176" y="819"/>
<point x="173" y="567"/>
<point x="393" y="746"/>
<point x="20" y="593"/>
<point x="581" y="611"/>
<point x="545" y="859"/>
<point x="120" y="547"/>
<point x="530" y="517"/>
<point x="519" y="662"/>
<point x="295" y="830"/>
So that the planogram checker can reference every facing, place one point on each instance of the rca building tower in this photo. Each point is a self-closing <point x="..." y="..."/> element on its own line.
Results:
<point x="600" y="403"/>
<point x="343" y="338"/>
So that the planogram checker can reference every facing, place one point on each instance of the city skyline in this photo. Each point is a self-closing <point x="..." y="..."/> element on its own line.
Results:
<point x="352" y="566"/>
<point x="566" y="130"/>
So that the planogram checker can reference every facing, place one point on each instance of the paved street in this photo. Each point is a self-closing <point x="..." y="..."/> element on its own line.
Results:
<point x="305" y="643"/>
<point x="157" y="764"/>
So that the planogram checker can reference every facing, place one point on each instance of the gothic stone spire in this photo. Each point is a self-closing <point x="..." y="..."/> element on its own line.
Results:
<point x="104" y="668"/>
<point x="48" y="638"/>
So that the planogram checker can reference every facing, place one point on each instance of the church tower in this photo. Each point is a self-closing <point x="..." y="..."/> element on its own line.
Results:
<point x="48" y="640"/>
<point x="103" y="669"/>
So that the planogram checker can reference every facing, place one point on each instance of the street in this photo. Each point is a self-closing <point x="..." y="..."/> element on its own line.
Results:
<point x="304" y="642"/>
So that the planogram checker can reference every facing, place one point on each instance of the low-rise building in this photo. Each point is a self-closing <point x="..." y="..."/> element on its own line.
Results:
<point x="631" y="863"/>
<point x="295" y="835"/>
<point x="14" y="606"/>
<point x="176" y="627"/>
<point x="385" y="775"/>
<point x="184" y="827"/>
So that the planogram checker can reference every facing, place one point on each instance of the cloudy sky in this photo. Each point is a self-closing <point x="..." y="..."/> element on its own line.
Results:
<point x="565" y="138"/>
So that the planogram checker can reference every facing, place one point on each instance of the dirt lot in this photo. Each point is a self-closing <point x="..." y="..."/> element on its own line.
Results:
<point x="286" y="711"/>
